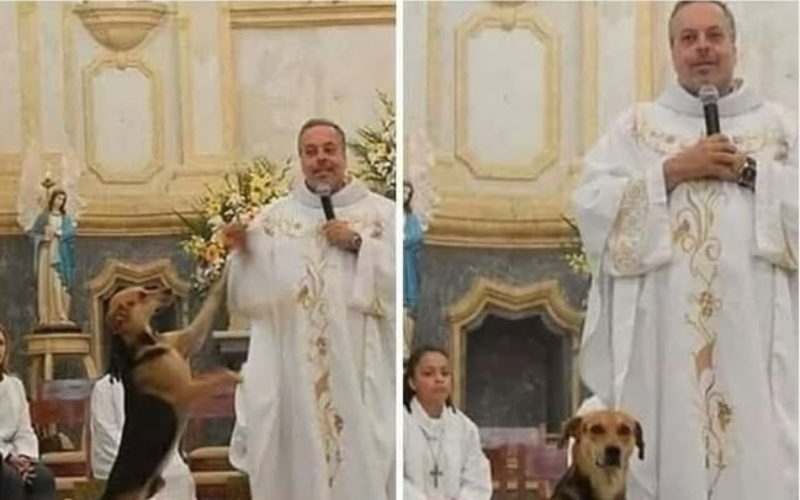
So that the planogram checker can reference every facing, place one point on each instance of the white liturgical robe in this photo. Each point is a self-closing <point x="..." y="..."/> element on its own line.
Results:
<point x="318" y="399"/>
<point x="692" y="318"/>
<point x="237" y="448"/>
<point x="443" y="458"/>
<point x="16" y="432"/>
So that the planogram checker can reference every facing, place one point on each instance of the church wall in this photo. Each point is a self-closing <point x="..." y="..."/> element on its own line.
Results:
<point x="149" y="128"/>
<point x="210" y="83"/>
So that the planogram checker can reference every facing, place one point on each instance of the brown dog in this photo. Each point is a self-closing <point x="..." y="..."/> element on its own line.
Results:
<point x="604" y="443"/>
<point x="159" y="386"/>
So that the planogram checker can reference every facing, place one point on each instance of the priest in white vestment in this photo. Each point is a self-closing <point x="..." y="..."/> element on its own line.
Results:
<point x="107" y="421"/>
<point x="318" y="398"/>
<point x="442" y="454"/>
<point x="692" y="317"/>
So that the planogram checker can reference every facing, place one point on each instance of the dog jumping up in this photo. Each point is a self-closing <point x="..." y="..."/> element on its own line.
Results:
<point x="604" y="443"/>
<point x="159" y="386"/>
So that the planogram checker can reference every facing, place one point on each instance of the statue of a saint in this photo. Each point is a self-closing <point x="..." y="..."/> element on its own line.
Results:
<point x="419" y="202"/>
<point x="412" y="243"/>
<point x="53" y="235"/>
<point x="48" y="211"/>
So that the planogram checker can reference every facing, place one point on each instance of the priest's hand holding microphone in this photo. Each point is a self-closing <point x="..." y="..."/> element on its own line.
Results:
<point x="713" y="157"/>
<point x="337" y="232"/>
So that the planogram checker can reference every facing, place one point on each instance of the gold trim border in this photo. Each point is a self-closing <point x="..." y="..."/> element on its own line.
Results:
<point x="31" y="86"/>
<point x="156" y="163"/>
<point x="484" y="293"/>
<point x="590" y="119"/>
<point x="206" y="164"/>
<point x="464" y="220"/>
<point x="509" y="18"/>
<point x="472" y="233"/>
<point x="30" y="90"/>
<point x="111" y="223"/>
<point x="259" y="15"/>
<point x="69" y="64"/>
<point x="645" y="50"/>
<point x="229" y="88"/>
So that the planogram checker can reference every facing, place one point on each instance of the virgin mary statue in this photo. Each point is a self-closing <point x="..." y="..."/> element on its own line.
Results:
<point x="53" y="235"/>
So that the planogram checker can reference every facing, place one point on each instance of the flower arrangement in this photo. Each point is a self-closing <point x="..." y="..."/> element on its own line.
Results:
<point x="574" y="255"/>
<point x="375" y="150"/>
<point x="245" y="191"/>
<point x="575" y="258"/>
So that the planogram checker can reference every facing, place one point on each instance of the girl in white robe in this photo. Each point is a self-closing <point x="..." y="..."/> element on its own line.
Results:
<point x="443" y="458"/>
<point x="22" y="475"/>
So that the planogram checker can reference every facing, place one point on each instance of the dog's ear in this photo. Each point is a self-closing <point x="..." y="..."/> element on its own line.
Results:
<point x="637" y="432"/>
<point x="571" y="430"/>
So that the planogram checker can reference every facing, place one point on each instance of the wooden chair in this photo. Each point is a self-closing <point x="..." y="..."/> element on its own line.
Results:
<point x="525" y="461"/>
<point x="63" y="403"/>
<point x="545" y="465"/>
<point x="498" y="463"/>
<point x="90" y="489"/>
<point x="238" y="488"/>
<point x="213" y="473"/>
<point x="507" y="463"/>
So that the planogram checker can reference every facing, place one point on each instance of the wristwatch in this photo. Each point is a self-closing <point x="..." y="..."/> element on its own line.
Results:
<point x="355" y="243"/>
<point x="747" y="174"/>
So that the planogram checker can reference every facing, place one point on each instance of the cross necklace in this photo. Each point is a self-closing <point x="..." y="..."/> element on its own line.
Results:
<point x="436" y="472"/>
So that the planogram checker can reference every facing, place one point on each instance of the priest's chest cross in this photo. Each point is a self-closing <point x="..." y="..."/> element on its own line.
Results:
<point x="436" y="473"/>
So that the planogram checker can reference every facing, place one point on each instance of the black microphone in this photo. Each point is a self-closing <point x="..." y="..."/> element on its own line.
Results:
<point x="709" y="95"/>
<point x="324" y="191"/>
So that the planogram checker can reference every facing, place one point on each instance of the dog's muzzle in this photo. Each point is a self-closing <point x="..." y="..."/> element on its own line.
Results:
<point x="612" y="456"/>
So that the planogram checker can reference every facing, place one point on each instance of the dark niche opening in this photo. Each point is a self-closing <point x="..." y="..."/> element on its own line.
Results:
<point x="518" y="372"/>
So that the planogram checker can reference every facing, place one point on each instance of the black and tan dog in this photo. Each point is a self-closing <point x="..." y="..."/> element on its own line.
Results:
<point x="604" y="443"/>
<point x="158" y="382"/>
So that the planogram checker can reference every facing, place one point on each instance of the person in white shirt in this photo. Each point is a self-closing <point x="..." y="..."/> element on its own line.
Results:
<point x="443" y="458"/>
<point x="22" y="476"/>
<point x="107" y="420"/>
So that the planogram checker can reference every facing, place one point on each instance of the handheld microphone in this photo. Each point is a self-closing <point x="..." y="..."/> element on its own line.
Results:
<point x="324" y="191"/>
<point x="709" y="95"/>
